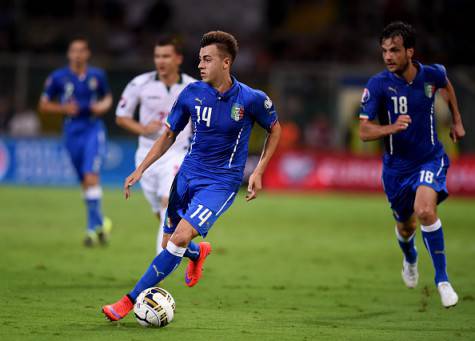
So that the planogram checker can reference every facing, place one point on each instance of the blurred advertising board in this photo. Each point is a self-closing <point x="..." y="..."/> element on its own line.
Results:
<point x="304" y="170"/>
<point x="45" y="162"/>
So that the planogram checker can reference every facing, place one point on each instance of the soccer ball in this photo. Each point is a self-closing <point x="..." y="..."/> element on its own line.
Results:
<point x="154" y="307"/>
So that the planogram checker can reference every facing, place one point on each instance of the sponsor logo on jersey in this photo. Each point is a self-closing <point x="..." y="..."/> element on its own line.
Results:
<point x="390" y="88"/>
<point x="267" y="103"/>
<point x="365" y="97"/>
<point x="92" y="83"/>
<point x="237" y="112"/>
<point x="122" y="102"/>
<point x="200" y="101"/>
<point x="429" y="89"/>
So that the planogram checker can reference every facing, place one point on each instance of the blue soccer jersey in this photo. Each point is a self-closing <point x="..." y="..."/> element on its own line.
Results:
<point x="222" y="126"/>
<point x="65" y="86"/>
<point x="387" y="96"/>
<point x="84" y="133"/>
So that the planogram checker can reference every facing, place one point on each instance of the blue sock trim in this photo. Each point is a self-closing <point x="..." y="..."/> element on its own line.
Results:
<point x="192" y="251"/>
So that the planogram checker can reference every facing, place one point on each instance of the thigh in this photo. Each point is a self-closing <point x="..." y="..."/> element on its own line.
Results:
<point x="178" y="202"/>
<point x="432" y="178"/>
<point x="166" y="173"/>
<point x="207" y="205"/>
<point x="400" y="193"/>
<point x="75" y="149"/>
<point x="94" y="150"/>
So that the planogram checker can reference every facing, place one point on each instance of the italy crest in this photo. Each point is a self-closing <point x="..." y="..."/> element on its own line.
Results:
<point x="237" y="112"/>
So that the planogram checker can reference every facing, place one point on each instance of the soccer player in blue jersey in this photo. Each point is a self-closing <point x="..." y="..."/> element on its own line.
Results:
<point x="222" y="111"/>
<point x="81" y="94"/>
<point x="414" y="164"/>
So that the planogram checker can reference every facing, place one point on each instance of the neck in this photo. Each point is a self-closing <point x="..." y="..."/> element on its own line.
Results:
<point x="170" y="79"/>
<point x="409" y="72"/>
<point x="78" y="69"/>
<point x="224" y="84"/>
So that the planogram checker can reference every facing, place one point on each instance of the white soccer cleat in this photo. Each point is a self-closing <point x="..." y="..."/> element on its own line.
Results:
<point x="409" y="274"/>
<point x="448" y="296"/>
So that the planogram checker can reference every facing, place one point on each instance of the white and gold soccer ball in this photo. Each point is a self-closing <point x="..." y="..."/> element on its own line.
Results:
<point x="154" y="307"/>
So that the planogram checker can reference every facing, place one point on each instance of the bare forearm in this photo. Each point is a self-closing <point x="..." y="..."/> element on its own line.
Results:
<point x="49" y="107"/>
<point x="371" y="131"/>
<point x="452" y="103"/>
<point x="270" y="146"/>
<point x="102" y="106"/>
<point x="158" y="149"/>
<point x="131" y="125"/>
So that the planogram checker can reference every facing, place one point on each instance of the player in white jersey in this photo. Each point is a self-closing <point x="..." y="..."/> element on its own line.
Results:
<point x="156" y="92"/>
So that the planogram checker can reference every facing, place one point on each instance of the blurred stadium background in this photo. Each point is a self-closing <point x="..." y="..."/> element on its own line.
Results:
<point x="312" y="57"/>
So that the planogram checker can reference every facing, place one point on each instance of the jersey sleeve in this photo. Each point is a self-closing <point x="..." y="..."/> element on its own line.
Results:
<point x="263" y="111"/>
<point x="370" y="100"/>
<point x="180" y="114"/>
<point x="440" y="76"/>
<point x="52" y="88"/>
<point x="103" y="85"/>
<point x="129" y="100"/>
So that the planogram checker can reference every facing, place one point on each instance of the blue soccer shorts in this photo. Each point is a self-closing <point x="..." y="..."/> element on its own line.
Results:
<point x="87" y="150"/>
<point x="199" y="200"/>
<point x="401" y="189"/>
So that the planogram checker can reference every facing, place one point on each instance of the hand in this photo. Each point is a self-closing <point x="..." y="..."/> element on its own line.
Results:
<point x="255" y="185"/>
<point x="402" y="123"/>
<point x="71" y="108"/>
<point x="152" y="127"/>
<point x="130" y="181"/>
<point x="98" y="108"/>
<point x="457" y="132"/>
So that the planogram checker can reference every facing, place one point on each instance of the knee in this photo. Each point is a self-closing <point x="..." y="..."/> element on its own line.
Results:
<point x="90" y="180"/>
<point x="425" y="213"/>
<point x="407" y="230"/>
<point x="181" y="238"/>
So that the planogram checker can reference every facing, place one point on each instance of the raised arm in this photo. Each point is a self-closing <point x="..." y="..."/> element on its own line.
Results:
<point x="158" y="149"/>
<point x="370" y="131"/>
<point x="457" y="131"/>
<point x="270" y="145"/>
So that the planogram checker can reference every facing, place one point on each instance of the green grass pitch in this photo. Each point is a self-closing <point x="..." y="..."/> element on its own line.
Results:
<point x="284" y="267"/>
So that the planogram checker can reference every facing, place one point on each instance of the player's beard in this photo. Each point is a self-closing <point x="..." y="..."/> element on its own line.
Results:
<point x="400" y="71"/>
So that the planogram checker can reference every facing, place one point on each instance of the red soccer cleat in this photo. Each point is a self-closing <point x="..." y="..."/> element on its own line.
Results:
<point x="119" y="309"/>
<point x="195" y="268"/>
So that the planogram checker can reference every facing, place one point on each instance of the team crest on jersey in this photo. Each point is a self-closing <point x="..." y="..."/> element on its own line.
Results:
<point x="365" y="96"/>
<point x="237" y="112"/>
<point x="429" y="89"/>
<point x="92" y="83"/>
<point x="68" y="90"/>
<point x="268" y="103"/>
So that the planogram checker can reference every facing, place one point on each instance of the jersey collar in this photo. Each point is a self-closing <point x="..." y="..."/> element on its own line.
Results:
<point x="420" y="72"/>
<point x="230" y="92"/>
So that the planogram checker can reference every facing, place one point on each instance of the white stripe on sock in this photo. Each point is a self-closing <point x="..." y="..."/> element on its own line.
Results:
<point x="431" y="228"/>
<point x="93" y="192"/>
<point x="175" y="250"/>
<point x="403" y="239"/>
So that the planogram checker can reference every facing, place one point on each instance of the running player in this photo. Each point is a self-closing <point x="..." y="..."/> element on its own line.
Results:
<point x="81" y="93"/>
<point x="222" y="111"/>
<point x="415" y="164"/>
<point x="156" y="92"/>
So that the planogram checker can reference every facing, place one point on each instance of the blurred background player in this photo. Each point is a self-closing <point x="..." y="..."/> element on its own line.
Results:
<point x="223" y="112"/>
<point x="81" y="93"/>
<point x="156" y="92"/>
<point x="415" y="164"/>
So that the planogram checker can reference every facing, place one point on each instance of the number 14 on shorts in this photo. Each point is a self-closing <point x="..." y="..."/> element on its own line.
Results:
<point x="205" y="214"/>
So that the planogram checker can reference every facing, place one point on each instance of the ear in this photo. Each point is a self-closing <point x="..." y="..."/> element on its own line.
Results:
<point x="179" y="59"/>
<point x="227" y="63"/>
<point x="410" y="52"/>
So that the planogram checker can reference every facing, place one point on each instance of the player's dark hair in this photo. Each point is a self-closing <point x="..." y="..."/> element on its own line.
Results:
<point x="402" y="29"/>
<point x="165" y="40"/>
<point x="79" y="37"/>
<point x="225" y="42"/>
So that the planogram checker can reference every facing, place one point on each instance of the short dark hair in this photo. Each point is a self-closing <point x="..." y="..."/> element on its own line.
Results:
<point x="79" y="37"/>
<point x="402" y="29"/>
<point x="224" y="41"/>
<point x="165" y="40"/>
